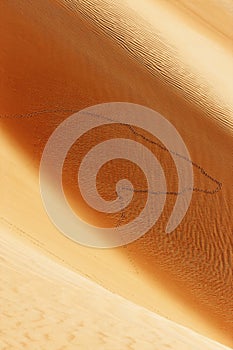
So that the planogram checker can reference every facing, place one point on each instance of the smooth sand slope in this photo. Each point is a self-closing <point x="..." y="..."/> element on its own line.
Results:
<point x="58" y="57"/>
<point x="44" y="305"/>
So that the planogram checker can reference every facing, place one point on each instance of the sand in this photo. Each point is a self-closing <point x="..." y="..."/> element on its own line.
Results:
<point x="44" y="305"/>
<point x="59" y="57"/>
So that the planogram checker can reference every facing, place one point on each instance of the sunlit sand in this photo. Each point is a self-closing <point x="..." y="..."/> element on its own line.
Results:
<point x="161" y="291"/>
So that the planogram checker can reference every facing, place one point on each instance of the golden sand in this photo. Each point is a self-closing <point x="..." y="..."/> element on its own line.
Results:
<point x="58" y="57"/>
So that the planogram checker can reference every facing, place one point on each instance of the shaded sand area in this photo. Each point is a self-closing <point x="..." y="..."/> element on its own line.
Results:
<point x="58" y="57"/>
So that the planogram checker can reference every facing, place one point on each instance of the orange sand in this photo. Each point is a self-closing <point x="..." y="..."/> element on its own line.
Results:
<point x="58" y="57"/>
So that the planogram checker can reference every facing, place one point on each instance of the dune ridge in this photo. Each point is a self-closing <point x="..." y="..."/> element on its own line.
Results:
<point x="46" y="305"/>
<point x="55" y="62"/>
<point x="145" y="31"/>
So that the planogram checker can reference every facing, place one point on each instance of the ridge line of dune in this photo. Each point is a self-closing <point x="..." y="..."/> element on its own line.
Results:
<point x="166" y="53"/>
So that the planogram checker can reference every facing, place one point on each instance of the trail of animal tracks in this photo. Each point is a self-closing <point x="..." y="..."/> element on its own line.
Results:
<point x="59" y="57"/>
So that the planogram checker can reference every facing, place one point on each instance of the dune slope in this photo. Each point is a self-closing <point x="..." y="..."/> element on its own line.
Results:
<point x="61" y="56"/>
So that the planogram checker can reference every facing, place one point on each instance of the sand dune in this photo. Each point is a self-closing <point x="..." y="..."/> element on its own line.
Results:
<point x="59" y="57"/>
<point x="47" y="306"/>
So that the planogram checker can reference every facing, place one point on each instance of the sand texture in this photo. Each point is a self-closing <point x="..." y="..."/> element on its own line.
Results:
<point x="59" y="57"/>
<point x="46" y="306"/>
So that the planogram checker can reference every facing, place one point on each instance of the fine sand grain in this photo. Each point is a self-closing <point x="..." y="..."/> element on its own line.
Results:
<point x="44" y="305"/>
<point x="59" y="57"/>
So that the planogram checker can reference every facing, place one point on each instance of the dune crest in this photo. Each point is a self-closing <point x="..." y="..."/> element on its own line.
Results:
<point x="47" y="305"/>
<point x="59" y="57"/>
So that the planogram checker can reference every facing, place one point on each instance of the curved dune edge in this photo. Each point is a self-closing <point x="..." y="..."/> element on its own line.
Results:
<point x="45" y="305"/>
<point x="219" y="18"/>
<point x="39" y="260"/>
<point x="53" y="64"/>
<point x="193" y="57"/>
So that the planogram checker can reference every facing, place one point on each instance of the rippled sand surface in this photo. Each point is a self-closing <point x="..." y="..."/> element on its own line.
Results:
<point x="175" y="57"/>
<point x="44" y="305"/>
